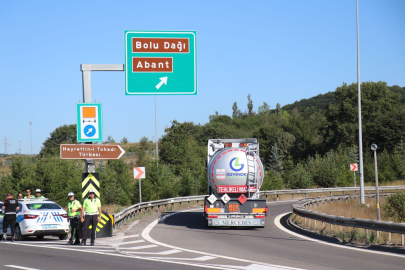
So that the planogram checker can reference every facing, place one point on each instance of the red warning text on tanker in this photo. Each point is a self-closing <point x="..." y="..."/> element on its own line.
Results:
<point x="160" y="45"/>
<point x="152" y="64"/>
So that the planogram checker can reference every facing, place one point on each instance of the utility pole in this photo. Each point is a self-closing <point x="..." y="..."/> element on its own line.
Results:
<point x="19" y="147"/>
<point x="31" y="136"/>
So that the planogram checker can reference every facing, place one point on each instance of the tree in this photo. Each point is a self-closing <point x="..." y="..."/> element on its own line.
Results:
<point x="285" y="141"/>
<point x="235" y="111"/>
<point x="265" y="108"/>
<point x="65" y="134"/>
<point x="382" y="116"/>
<point x="250" y="106"/>
<point x="275" y="159"/>
<point x="144" y="142"/>
<point x="110" y="139"/>
<point x="124" y="140"/>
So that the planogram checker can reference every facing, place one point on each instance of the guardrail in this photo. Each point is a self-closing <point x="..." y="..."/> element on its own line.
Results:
<point x="300" y="208"/>
<point x="136" y="209"/>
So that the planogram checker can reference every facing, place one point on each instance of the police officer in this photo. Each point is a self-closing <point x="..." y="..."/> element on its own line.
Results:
<point x="10" y="208"/>
<point x="38" y="193"/>
<point x="74" y="210"/>
<point x="92" y="207"/>
<point x="29" y="196"/>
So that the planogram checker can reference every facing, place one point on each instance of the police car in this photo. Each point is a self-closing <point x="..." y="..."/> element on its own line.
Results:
<point x="39" y="217"/>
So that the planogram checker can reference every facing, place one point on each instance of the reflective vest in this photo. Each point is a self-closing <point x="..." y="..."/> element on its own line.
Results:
<point x="91" y="205"/>
<point x="74" y="206"/>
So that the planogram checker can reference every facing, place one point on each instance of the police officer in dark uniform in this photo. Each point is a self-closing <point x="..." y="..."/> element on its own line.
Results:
<point x="10" y="208"/>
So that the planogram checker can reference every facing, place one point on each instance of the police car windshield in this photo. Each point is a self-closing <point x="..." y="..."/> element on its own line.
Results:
<point x="43" y="206"/>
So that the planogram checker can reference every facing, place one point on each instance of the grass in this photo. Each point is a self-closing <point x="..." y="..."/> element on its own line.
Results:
<point x="350" y="208"/>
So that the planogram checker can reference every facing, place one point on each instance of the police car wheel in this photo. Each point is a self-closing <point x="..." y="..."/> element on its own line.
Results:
<point x="40" y="237"/>
<point x="63" y="236"/>
<point x="18" y="236"/>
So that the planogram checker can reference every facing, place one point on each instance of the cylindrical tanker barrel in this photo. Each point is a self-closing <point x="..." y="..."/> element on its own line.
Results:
<point x="235" y="171"/>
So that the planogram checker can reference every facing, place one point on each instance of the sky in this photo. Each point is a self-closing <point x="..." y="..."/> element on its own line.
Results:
<point x="276" y="51"/>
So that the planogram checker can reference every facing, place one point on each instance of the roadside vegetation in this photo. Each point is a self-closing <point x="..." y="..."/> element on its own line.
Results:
<point x="393" y="210"/>
<point x="308" y="144"/>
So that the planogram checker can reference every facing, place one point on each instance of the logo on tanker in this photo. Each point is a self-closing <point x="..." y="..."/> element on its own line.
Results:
<point x="236" y="167"/>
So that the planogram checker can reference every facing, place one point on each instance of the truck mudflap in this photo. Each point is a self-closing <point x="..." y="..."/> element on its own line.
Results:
<point x="230" y="222"/>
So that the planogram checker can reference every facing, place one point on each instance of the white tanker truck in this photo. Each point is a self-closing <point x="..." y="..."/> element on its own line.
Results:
<point x="235" y="174"/>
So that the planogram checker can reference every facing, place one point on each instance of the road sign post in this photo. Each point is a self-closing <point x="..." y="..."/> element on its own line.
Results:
<point x="160" y="62"/>
<point x="139" y="173"/>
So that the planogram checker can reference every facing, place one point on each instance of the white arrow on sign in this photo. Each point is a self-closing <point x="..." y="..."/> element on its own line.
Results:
<point x="163" y="80"/>
<point x="139" y="172"/>
<point x="353" y="167"/>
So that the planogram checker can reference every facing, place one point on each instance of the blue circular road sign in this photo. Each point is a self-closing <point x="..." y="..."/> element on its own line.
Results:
<point x="89" y="130"/>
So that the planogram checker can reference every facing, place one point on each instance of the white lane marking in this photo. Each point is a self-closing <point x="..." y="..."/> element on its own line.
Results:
<point x="128" y="243"/>
<point x="202" y="258"/>
<point x="80" y="247"/>
<point x="119" y="238"/>
<point x="123" y="256"/>
<point x="21" y="267"/>
<point x="138" y="247"/>
<point x="249" y="267"/>
<point x="99" y="250"/>
<point x="166" y="252"/>
<point x="148" y="229"/>
<point x="278" y="224"/>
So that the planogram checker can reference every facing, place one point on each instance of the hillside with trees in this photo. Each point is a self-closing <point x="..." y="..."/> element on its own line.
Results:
<point x="306" y="144"/>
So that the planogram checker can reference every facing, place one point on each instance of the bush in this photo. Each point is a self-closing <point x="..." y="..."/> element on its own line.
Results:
<point x="395" y="207"/>
<point x="299" y="177"/>
<point x="272" y="181"/>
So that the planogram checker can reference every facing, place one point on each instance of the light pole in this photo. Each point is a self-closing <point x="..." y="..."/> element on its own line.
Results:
<point x="377" y="195"/>
<point x="362" y="201"/>
<point x="31" y="136"/>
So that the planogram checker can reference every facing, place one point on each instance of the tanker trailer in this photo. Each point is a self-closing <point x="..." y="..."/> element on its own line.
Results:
<point x="235" y="174"/>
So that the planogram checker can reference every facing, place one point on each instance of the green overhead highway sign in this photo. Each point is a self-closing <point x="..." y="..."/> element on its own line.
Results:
<point x="160" y="62"/>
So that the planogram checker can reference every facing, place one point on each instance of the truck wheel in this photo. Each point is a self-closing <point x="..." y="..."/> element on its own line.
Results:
<point x="63" y="236"/>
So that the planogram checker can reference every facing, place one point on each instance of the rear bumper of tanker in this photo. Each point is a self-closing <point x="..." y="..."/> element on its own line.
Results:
<point x="251" y="213"/>
<point x="236" y="222"/>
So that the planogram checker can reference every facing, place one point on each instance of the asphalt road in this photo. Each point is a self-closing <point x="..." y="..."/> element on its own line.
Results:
<point x="17" y="256"/>
<point x="182" y="241"/>
<point x="268" y="245"/>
